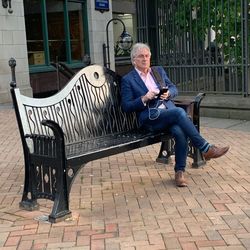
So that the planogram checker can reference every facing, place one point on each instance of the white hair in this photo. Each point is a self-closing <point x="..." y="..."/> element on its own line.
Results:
<point x="136" y="47"/>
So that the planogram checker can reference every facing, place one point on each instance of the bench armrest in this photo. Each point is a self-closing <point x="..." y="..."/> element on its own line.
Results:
<point x="185" y="102"/>
<point x="51" y="146"/>
<point x="199" y="97"/>
<point x="196" y="113"/>
<point x="42" y="145"/>
<point x="57" y="130"/>
<point x="192" y="107"/>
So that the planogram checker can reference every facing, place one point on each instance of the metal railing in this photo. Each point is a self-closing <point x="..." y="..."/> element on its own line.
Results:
<point x="203" y="44"/>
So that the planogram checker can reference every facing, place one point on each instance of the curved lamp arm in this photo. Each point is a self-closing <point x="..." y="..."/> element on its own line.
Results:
<point x="106" y="55"/>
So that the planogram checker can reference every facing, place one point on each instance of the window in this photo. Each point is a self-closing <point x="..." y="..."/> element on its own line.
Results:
<point x="56" y="31"/>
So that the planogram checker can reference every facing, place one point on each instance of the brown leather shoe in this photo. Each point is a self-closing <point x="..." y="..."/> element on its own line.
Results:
<point x="179" y="179"/>
<point x="215" y="152"/>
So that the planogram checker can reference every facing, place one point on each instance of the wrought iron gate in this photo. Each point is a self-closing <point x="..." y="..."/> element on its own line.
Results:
<point x="203" y="44"/>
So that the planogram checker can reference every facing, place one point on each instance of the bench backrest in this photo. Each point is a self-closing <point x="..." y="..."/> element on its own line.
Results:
<point x="87" y="107"/>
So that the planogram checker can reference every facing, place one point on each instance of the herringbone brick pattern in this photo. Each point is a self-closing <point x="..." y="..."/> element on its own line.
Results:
<point x="129" y="202"/>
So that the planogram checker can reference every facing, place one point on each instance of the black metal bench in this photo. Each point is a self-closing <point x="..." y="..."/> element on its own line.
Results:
<point x="81" y="123"/>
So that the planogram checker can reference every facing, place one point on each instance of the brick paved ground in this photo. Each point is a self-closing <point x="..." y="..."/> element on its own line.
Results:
<point x="129" y="202"/>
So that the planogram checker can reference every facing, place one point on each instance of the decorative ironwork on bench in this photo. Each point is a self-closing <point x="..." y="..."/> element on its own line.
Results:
<point x="81" y="123"/>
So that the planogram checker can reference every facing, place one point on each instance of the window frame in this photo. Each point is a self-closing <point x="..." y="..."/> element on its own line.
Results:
<point x="72" y="64"/>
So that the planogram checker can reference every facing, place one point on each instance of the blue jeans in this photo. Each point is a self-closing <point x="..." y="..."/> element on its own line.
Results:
<point x="181" y="127"/>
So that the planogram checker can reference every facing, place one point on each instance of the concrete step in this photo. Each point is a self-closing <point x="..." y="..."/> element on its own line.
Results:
<point x="225" y="106"/>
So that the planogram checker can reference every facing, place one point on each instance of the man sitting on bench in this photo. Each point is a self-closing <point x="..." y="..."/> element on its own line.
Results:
<point x="149" y="92"/>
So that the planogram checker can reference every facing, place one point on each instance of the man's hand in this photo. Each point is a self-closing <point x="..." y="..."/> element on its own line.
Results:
<point x="165" y="95"/>
<point x="149" y="96"/>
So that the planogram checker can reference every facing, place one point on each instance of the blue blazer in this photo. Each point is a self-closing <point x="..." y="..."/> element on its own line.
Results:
<point x="133" y="88"/>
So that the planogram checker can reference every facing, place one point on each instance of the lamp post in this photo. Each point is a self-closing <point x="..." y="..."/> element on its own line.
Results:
<point x="125" y="42"/>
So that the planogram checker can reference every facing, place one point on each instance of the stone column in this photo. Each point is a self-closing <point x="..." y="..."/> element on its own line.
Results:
<point x="13" y="44"/>
<point x="97" y="22"/>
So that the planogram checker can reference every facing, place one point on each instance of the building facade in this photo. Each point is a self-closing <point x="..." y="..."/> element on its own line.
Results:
<point x="200" y="51"/>
<point x="41" y="33"/>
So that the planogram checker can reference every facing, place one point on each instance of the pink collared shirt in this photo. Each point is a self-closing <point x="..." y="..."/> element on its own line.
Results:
<point x="149" y="81"/>
<point x="150" y="84"/>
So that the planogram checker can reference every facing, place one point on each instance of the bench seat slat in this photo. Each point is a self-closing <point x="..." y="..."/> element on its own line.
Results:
<point x="109" y="142"/>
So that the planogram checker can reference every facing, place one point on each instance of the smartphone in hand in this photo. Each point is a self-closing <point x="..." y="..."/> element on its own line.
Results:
<point x="162" y="91"/>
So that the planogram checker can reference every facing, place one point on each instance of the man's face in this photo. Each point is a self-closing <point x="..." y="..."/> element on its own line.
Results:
<point x="142" y="60"/>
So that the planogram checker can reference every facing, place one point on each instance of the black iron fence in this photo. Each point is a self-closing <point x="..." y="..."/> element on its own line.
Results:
<point x="203" y="44"/>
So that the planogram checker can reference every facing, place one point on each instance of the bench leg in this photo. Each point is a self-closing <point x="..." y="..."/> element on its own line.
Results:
<point x="166" y="151"/>
<point x="198" y="160"/>
<point x="48" y="181"/>
<point x="29" y="202"/>
<point x="60" y="209"/>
